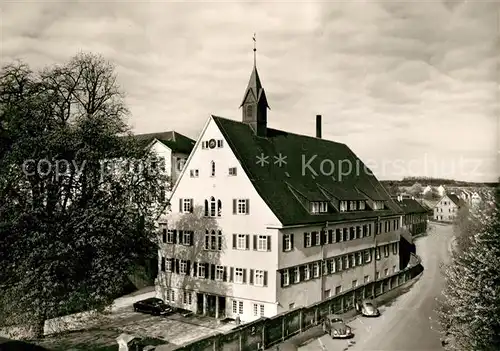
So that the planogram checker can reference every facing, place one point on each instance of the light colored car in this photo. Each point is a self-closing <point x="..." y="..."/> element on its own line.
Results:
<point x="367" y="308"/>
<point x="335" y="326"/>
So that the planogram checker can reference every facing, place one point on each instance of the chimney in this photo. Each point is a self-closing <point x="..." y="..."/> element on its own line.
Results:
<point x="318" y="126"/>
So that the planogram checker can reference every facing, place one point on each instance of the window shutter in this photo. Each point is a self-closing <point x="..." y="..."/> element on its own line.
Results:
<point x="282" y="279"/>
<point x="195" y="269"/>
<point x="337" y="235"/>
<point x="302" y="273"/>
<point x="268" y="243"/>
<point x="188" y="267"/>
<point x="207" y="270"/>
<point x="180" y="205"/>
<point x="244" y="276"/>
<point x="224" y="276"/>
<point x="191" y="237"/>
<point x="283" y="242"/>
<point x="181" y="237"/>
<point x="330" y="236"/>
<point x="324" y="237"/>
<point x="231" y="274"/>
<point x="234" y="206"/>
<point x="212" y="271"/>
<point x="255" y="242"/>
<point x="265" y="278"/>
<point x="191" y="205"/>
<point x="234" y="241"/>
<point x="250" y="279"/>
<point x="305" y="239"/>
<point x="291" y="241"/>
<point x="177" y="270"/>
<point x="248" y="206"/>
<point x="247" y="241"/>
<point x="313" y="238"/>
<point x="174" y="235"/>
<point x="163" y="264"/>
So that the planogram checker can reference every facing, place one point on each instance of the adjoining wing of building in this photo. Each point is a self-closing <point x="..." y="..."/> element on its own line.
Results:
<point x="259" y="223"/>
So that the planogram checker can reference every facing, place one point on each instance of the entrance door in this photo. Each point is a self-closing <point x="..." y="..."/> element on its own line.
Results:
<point x="199" y="303"/>
<point x="222" y="306"/>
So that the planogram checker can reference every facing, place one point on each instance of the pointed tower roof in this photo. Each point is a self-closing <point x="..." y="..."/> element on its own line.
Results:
<point x="255" y="88"/>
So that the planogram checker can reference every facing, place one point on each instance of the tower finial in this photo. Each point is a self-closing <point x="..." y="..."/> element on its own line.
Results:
<point x="254" y="50"/>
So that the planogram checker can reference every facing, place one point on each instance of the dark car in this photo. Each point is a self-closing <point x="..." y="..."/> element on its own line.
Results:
<point x="367" y="308"/>
<point x="335" y="326"/>
<point x="153" y="306"/>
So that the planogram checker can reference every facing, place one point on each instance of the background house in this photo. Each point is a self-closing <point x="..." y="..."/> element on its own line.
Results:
<point x="447" y="208"/>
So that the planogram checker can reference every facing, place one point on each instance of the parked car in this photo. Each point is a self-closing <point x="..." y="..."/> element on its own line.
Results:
<point x="367" y="308"/>
<point x="153" y="306"/>
<point x="335" y="326"/>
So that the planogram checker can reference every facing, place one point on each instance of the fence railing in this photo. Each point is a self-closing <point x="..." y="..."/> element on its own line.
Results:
<point x="266" y="332"/>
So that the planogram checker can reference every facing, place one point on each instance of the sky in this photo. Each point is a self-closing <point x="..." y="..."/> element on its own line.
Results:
<point x="412" y="87"/>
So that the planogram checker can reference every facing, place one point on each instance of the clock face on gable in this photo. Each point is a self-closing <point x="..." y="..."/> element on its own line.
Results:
<point x="212" y="143"/>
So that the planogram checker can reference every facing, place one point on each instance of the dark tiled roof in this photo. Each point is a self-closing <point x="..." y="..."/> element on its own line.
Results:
<point x="174" y="140"/>
<point x="286" y="189"/>
<point x="455" y="199"/>
<point x="412" y="206"/>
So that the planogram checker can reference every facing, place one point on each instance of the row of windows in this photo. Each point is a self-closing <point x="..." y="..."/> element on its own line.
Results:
<point x="323" y="237"/>
<point x="259" y="242"/>
<point x="450" y="210"/>
<point x="344" y="206"/>
<point x="415" y="218"/>
<point x="202" y="270"/>
<point x="334" y="265"/>
<point x="186" y="296"/>
<point x="212" y="144"/>
<point x="213" y="207"/>
<point x="258" y="309"/>
<point x="195" y="173"/>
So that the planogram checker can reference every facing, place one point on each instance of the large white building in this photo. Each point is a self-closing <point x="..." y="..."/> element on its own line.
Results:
<point x="255" y="229"/>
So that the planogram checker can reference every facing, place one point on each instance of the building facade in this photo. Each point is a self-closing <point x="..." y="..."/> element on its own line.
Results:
<point x="256" y="226"/>
<point x="447" y="208"/>
<point x="415" y="215"/>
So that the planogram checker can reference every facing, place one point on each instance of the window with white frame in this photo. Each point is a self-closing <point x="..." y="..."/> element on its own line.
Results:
<point x="242" y="206"/>
<point x="332" y="266"/>
<point x="324" y="268"/>
<point x="259" y="277"/>
<point x="180" y="163"/>
<point x="395" y="248"/>
<point x="352" y="205"/>
<point x="307" y="240"/>
<point x="307" y="272"/>
<point x="219" y="273"/>
<point x="345" y="262"/>
<point x="394" y="269"/>
<point x="186" y="237"/>
<point x="187" y="205"/>
<point x="386" y="271"/>
<point x="319" y="207"/>
<point x="386" y="251"/>
<point x="354" y="283"/>
<point x="377" y="250"/>
<point x="315" y="269"/>
<point x="187" y="298"/>
<point x="286" y="277"/>
<point x="367" y="279"/>
<point x="171" y="235"/>
<point x="194" y="173"/>
<point x="238" y="275"/>
<point x="262" y="243"/>
<point x="183" y="267"/>
<point x="219" y="143"/>
<point x="241" y="242"/>
<point x="237" y="307"/>
<point x="232" y="171"/>
<point x="317" y="237"/>
<point x="359" y="258"/>
<point x="258" y="310"/>
<point x="168" y="265"/>
<point x="362" y="205"/>
<point x="296" y="275"/>
<point x="287" y="242"/>
<point x="201" y="270"/>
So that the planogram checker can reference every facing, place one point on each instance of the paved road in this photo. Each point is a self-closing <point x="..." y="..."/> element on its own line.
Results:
<point x="409" y="322"/>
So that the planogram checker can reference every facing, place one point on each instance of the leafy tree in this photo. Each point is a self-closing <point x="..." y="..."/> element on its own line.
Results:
<point x="469" y="313"/>
<point x="416" y="190"/>
<point x="74" y="216"/>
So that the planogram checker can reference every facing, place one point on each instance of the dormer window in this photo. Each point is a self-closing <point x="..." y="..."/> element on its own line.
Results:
<point x="378" y="205"/>
<point x="319" y="207"/>
<point x="352" y="206"/>
<point x="343" y="206"/>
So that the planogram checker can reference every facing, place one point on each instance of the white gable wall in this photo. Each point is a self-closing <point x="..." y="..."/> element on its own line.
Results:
<point x="226" y="188"/>
<point x="445" y="210"/>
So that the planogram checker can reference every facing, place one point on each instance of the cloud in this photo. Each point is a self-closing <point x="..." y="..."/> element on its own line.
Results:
<point x="391" y="79"/>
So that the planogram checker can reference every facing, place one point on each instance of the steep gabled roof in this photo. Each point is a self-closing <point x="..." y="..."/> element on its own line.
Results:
<point x="411" y="206"/>
<point x="174" y="140"/>
<point x="455" y="199"/>
<point x="281" y="187"/>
